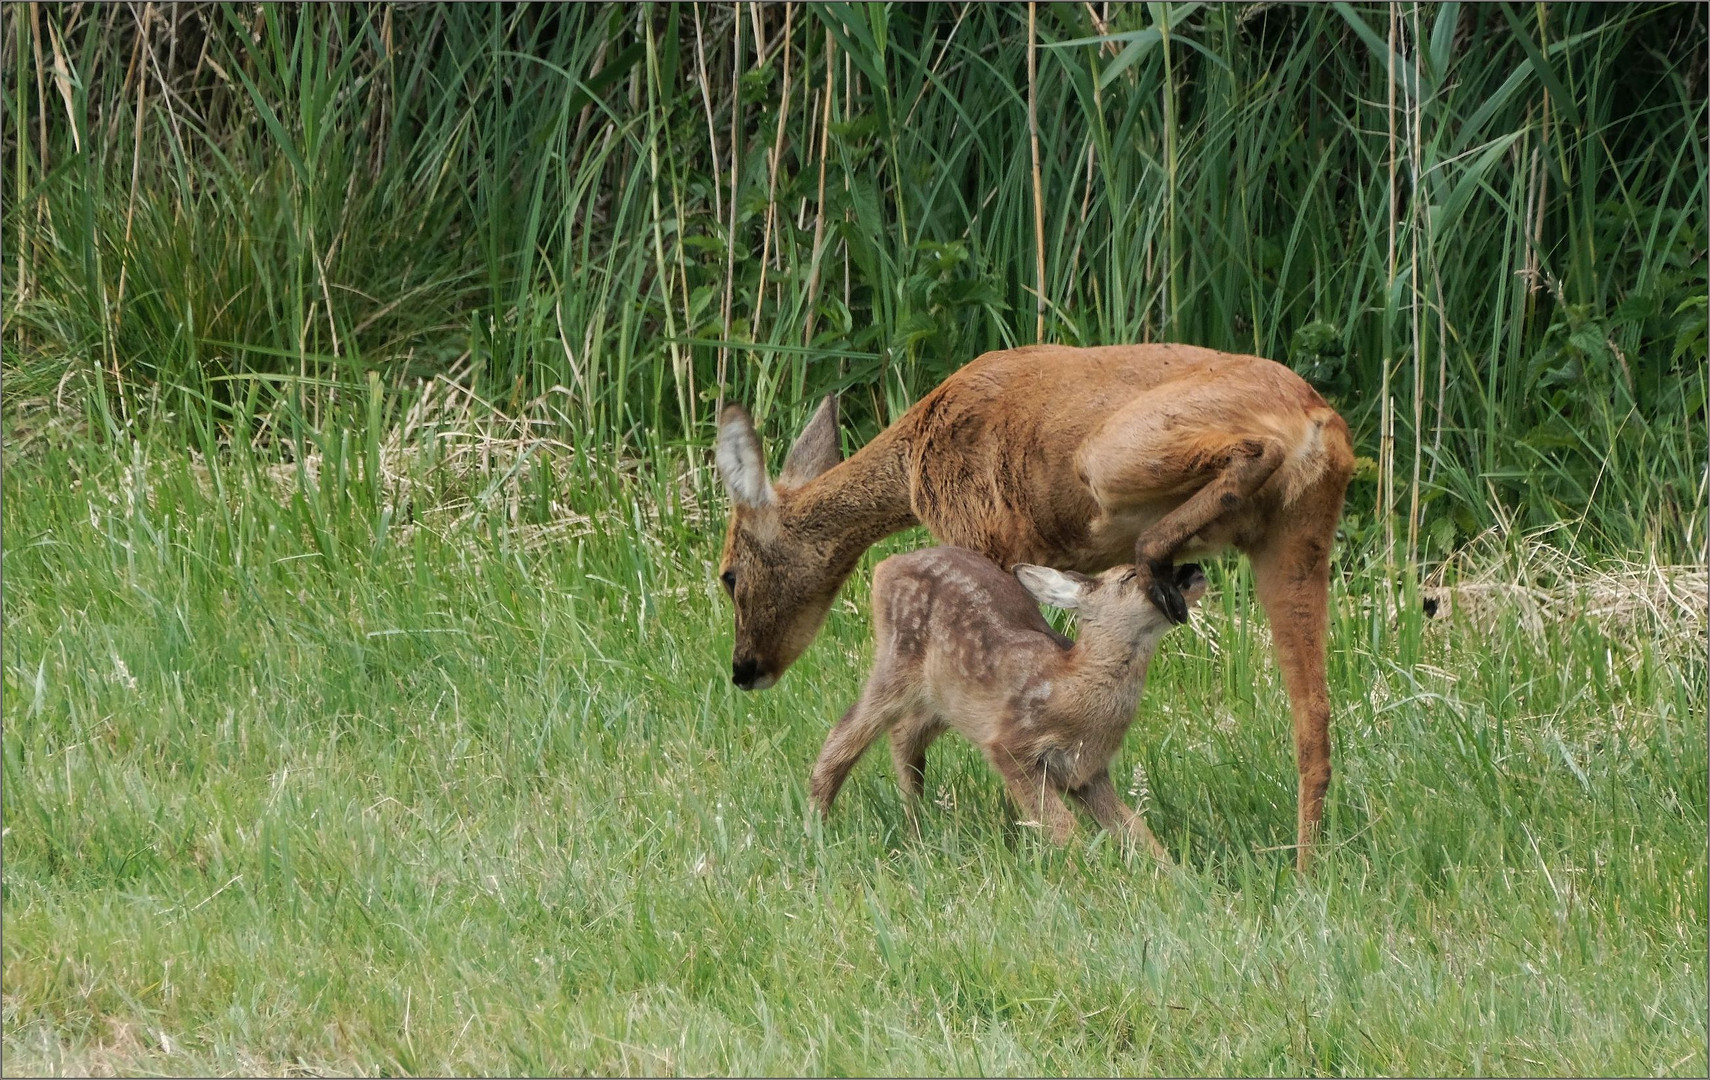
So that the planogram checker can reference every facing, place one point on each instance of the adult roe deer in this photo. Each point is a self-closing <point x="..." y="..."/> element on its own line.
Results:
<point x="1077" y="459"/>
<point x="960" y="644"/>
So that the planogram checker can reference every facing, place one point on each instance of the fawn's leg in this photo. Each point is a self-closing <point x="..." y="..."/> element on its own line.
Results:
<point x="1037" y="799"/>
<point x="909" y="740"/>
<point x="876" y="710"/>
<point x="1108" y="809"/>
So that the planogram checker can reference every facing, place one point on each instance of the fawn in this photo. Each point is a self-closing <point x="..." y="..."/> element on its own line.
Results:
<point x="961" y="644"/>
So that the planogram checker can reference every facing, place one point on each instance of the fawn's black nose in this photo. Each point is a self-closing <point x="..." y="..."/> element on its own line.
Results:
<point x="744" y="673"/>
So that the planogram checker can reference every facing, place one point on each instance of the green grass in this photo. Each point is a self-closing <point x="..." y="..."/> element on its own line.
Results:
<point x="428" y="762"/>
<point x="351" y="728"/>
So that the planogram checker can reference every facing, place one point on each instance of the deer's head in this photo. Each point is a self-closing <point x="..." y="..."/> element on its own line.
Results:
<point x="781" y="569"/>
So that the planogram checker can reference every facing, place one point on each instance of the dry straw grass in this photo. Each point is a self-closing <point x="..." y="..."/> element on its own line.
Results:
<point x="1537" y="582"/>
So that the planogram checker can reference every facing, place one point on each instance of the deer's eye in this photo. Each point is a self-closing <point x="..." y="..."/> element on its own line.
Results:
<point x="729" y="580"/>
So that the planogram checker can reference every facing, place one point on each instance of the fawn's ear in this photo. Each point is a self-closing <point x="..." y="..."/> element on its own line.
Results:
<point x="1054" y="587"/>
<point x="739" y="459"/>
<point x="816" y="450"/>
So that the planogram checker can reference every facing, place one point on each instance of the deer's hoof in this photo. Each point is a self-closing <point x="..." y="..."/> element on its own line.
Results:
<point x="1168" y="598"/>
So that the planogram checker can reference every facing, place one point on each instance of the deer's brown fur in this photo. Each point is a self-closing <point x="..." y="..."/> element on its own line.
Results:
<point x="1078" y="459"/>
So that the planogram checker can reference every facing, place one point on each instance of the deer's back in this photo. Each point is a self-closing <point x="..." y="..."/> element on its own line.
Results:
<point x="991" y="452"/>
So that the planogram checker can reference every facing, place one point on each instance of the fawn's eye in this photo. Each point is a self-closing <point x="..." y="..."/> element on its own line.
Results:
<point x="729" y="580"/>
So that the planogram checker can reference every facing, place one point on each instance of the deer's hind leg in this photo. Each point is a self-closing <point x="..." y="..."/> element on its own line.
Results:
<point x="1291" y="575"/>
<point x="1158" y="453"/>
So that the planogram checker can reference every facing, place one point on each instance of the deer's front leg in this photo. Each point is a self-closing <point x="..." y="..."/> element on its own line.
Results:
<point x="909" y="739"/>
<point x="1038" y="801"/>
<point x="880" y="703"/>
<point x="1107" y="808"/>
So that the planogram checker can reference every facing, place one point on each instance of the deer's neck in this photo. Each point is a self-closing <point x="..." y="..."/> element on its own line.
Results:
<point x="857" y="503"/>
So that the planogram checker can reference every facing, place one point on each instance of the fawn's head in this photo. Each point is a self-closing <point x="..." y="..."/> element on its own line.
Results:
<point x="780" y="572"/>
<point x="1115" y="604"/>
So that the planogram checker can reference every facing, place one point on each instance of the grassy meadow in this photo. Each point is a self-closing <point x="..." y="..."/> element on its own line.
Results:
<point x="287" y="791"/>
<point x="365" y="679"/>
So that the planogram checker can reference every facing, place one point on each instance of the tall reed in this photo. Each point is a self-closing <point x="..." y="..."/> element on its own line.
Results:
<point x="1480" y="230"/>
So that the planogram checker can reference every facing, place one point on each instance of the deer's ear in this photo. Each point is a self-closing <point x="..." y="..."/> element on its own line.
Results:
<point x="1190" y="579"/>
<point x="740" y="461"/>
<point x="816" y="450"/>
<point x="1048" y="586"/>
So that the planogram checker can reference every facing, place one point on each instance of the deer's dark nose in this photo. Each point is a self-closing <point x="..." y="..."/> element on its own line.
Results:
<point x="744" y="673"/>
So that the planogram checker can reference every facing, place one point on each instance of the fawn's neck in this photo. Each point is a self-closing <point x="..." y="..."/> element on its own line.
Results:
<point x="1107" y="671"/>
